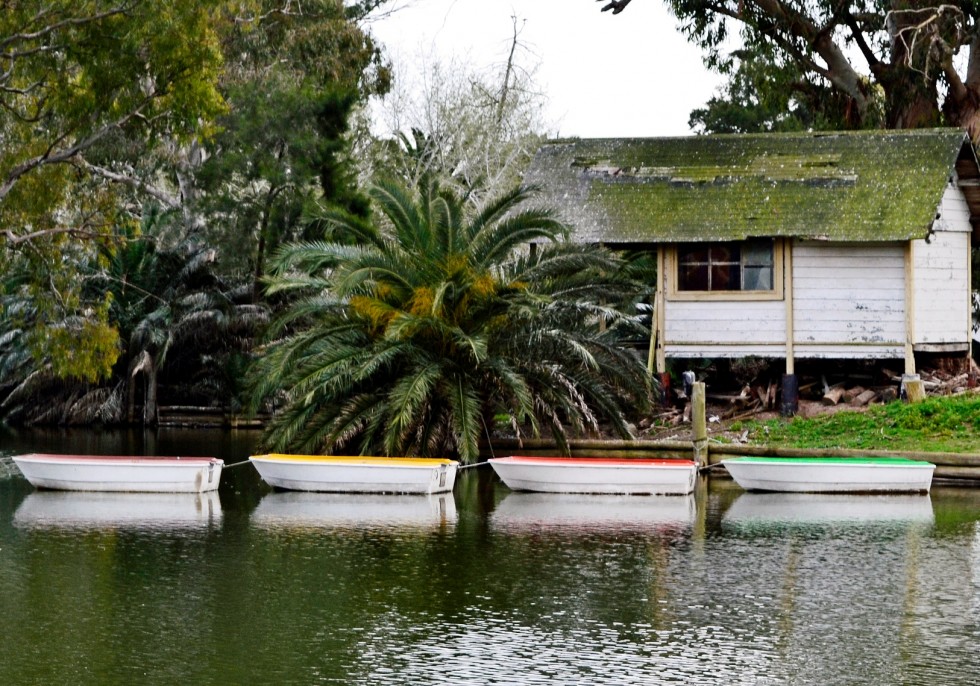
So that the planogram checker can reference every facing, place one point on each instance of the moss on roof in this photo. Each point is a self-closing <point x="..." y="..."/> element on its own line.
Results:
<point x="846" y="186"/>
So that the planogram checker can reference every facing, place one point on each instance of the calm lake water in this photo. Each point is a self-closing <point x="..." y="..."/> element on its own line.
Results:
<point x="485" y="586"/>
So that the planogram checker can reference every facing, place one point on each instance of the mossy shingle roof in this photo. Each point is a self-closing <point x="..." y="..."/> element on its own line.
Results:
<point x="846" y="186"/>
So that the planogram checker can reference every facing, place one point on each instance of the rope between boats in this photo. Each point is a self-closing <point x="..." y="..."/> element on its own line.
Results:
<point x="471" y="466"/>
<point x="236" y="464"/>
<point x="716" y="465"/>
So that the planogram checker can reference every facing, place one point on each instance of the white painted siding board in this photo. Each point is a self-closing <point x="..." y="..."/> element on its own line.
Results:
<point x="699" y="351"/>
<point x="942" y="287"/>
<point x="735" y="324"/>
<point x="954" y="212"/>
<point x="848" y="299"/>
<point x="883" y="352"/>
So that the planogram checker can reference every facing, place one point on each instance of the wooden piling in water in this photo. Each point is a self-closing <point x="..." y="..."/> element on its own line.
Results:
<point x="699" y="425"/>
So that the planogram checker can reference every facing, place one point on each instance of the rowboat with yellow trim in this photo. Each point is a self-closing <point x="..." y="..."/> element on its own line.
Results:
<point x="356" y="474"/>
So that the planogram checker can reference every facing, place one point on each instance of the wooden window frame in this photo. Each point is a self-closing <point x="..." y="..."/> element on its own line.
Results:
<point x="673" y="293"/>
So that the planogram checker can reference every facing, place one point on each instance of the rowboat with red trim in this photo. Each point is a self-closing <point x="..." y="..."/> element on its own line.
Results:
<point x="121" y="473"/>
<point x="597" y="475"/>
<point x="831" y="474"/>
<point x="356" y="474"/>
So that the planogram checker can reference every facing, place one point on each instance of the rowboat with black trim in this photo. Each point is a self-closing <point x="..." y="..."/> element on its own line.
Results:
<point x="121" y="473"/>
<point x="627" y="476"/>
<point x="356" y="474"/>
<point x="831" y="474"/>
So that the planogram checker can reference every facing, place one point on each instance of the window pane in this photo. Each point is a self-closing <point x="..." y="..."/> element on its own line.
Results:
<point x="757" y="254"/>
<point x="693" y="278"/>
<point x="757" y="279"/>
<point x="724" y="277"/>
<point x="725" y="252"/>
<point x="693" y="253"/>
<point x="732" y="266"/>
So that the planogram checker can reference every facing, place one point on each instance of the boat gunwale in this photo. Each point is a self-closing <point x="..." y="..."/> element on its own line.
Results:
<point x="354" y="461"/>
<point x="872" y="462"/>
<point x="599" y="462"/>
<point x="108" y="460"/>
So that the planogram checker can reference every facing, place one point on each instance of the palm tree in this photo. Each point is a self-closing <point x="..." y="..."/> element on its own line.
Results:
<point x="168" y="310"/>
<point x="167" y="299"/>
<point x="416" y="334"/>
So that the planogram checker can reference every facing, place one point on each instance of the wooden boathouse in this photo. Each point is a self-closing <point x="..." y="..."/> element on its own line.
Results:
<point x="844" y="245"/>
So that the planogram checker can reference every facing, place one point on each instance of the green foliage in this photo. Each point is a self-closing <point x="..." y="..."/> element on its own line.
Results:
<point x="949" y="424"/>
<point x="292" y="81"/>
<point x="856" y="64"/>
<point x="73" y="72"/>
<point x="767" y="93"/>
<point x="415" y="335"/>
<point x="149" y="307"/>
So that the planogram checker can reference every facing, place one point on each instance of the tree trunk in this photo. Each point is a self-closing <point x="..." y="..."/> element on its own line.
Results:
<point x="911" y="101"/>
<point x="150" y="410"/>
<point x="964" y="111"/>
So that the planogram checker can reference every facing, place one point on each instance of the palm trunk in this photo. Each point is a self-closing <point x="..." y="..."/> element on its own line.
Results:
<point x="150" y="410"/>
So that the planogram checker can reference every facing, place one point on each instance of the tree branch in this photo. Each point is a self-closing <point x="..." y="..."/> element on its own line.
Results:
<point x="168" y="200"/>
<point x="50" y="156"/>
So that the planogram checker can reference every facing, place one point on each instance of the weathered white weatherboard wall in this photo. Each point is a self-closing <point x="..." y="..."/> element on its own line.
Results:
<point x="942" y="278"/>
<point x="847" y="300"/>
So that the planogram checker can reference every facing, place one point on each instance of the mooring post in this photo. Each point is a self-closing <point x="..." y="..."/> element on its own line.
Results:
<point x="912" y="389"/>
<point x="699" y="424"/>
<point x="790" y="404"/>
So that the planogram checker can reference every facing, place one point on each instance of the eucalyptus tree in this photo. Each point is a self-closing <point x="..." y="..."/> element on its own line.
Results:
<point x="423" y="331"/>
<point x="895" y="64"/>
<point x="106" y="105"/>
<point x="73" y="75"/>
<point x="294" y="74"/>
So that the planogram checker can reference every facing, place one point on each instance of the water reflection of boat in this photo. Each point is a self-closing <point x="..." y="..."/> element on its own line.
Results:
<point x="99" y="510"/>
<point x="346" y="510"/>
<point x="817" y="508"/>
<point x="591" y="513"/>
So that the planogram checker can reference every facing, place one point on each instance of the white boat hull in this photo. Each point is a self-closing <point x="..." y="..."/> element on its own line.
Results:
<point x="356" y="475"/>
<point x="792" y="475"/>
<point x="121" y="474"/>
<point x="596" y="475"/>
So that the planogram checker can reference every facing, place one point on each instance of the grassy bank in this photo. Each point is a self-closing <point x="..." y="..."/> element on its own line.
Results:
<point x="942" y="424"/>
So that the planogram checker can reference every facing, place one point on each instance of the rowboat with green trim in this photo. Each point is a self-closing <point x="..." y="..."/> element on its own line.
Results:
<point x="831" y="474"/>
<point x="356" y="474"/>
<point x="626" y="476"/>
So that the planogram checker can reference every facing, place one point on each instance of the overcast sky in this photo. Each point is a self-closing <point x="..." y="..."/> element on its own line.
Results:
<point x="632" y="74"/>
